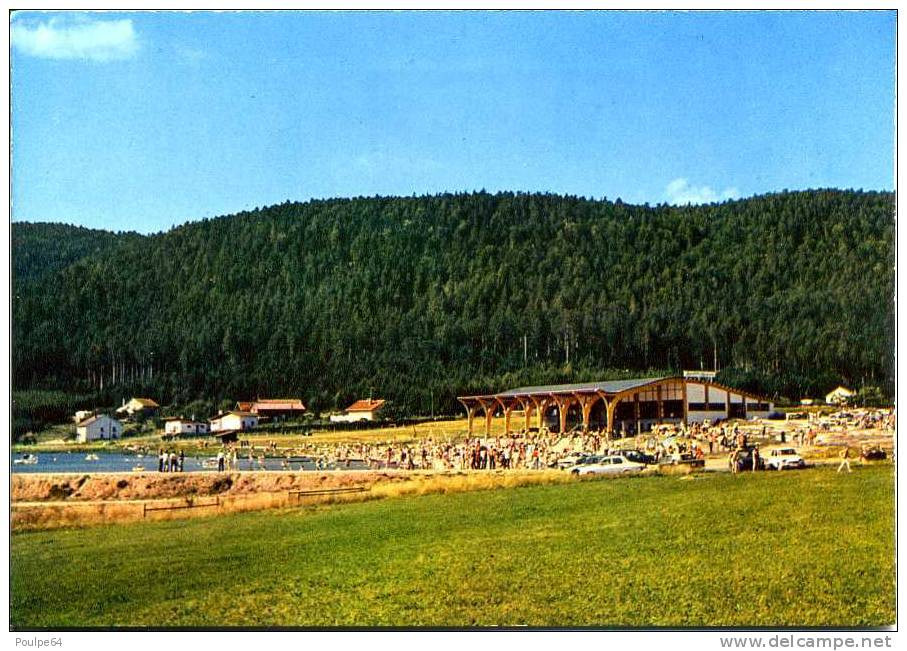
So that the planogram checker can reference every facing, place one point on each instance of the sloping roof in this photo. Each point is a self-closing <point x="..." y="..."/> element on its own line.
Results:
<point x="145" y="402"/>
<point x="611" y="387"/>
<point x="244" y="406"/>
<point x="366" y="405"/>
<point x="608" y="386"/>
<point x="284" y="404"/>
<point x="92" y="419"/>
<point x="241" y="414"/>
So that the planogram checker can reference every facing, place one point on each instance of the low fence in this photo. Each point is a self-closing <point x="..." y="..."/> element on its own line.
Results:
<point x="299" y="494"/>
<point x="190" y="504"/>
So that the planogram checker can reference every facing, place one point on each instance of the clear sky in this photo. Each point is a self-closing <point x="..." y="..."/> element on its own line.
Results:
<point x="140" y="121"/>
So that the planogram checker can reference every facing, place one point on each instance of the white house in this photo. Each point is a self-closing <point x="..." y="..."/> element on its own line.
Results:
<point x="139" y="405"/>
<point x="233" y="420"/>
<point x="184" y="426"/>
<point x="839" y="396"/>
<point x="98" y="428"/>
<point x="358" y="411"/>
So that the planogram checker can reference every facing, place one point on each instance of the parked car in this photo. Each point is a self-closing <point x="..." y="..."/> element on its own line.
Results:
<point x="582" y="460"/>
<point x="585" y="460"/>
<point x="610" y="465"/>
<point x="637" y="456"/>
<point x="874" y="454"/>
<point x="678" y="459"/>
<point x="744" y="459"/>
<point x="782" y="458"/>
<point x="572" y="459"/>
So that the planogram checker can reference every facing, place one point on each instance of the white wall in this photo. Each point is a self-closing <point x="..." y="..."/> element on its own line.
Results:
<point x="695" y="393"/>
<point x="185" y="427"/>
<point x="103" y="428"/>
<point x="717" y="395"/>
<point x="352" y="417"/>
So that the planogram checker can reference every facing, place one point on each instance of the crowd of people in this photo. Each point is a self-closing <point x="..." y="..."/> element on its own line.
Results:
<point x="523" y="449"/>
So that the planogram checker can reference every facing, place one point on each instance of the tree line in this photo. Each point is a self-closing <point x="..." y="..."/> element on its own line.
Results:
<point x="421" y="299"/>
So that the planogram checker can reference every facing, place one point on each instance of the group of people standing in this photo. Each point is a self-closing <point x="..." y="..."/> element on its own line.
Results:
<point x="170" y="461"/>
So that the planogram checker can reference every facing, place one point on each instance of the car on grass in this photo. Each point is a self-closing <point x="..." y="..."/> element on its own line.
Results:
<point x="783" y="458"/>
<point x="613" y="464"/>
<point x="874" y="453"/>
<point x="744" y="459"/>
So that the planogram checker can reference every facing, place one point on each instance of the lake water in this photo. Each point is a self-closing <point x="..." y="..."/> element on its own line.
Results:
<point x="118" y="462"/>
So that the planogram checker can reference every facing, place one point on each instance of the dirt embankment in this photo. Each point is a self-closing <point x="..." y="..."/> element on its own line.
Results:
<point x="52" y="501"/>
<point x="40" y="487"/>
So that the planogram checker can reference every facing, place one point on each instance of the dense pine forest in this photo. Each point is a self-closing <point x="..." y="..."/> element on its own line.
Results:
<point x="424" y="298"/>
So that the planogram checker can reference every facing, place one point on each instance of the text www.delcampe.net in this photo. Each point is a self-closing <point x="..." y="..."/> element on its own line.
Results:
<point x="806" y="642"/>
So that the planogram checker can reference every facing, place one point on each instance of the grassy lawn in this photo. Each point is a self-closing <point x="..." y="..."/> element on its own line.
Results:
<point x="808" y="548"/>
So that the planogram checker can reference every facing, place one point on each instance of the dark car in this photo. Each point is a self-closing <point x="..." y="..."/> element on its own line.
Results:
<point x="744" y="458"/>
<point x="874" y="454"/>
<point x="638" y="456"/>
<point x="685" y="459"/>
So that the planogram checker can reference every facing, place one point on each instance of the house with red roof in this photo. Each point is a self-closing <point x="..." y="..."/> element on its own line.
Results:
<point x="358" y="411"/>
<point x="275" y="407"/>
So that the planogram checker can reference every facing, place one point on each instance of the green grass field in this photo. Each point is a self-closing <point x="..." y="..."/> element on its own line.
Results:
<point x="808" y="548"/>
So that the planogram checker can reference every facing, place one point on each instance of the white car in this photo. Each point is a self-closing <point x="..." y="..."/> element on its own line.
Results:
<point x="575" y="459"/>
<point x="781" y="458"/>
<point x="610" y="465"/>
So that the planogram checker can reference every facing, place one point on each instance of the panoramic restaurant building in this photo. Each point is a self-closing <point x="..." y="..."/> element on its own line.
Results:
<point x="617" y="406"/>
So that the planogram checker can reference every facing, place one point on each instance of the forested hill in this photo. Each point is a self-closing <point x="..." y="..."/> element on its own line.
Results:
<point x="421" y="299"/>
<point x="44" y="248"/>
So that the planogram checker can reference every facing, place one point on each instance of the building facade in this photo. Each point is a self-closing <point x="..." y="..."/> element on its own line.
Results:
<point x="618" y="406"/>
<point x="275" y="408"/>
<point x="234" y="420"/>
<point x="185" y="427"/>
<point x="98" y="428"/>
<point x="358" y="411"/>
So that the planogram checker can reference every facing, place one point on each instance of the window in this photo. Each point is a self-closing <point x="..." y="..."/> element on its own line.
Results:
<point x="711" y="406"/>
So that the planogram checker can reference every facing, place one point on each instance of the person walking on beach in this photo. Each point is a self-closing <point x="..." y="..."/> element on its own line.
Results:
<point x="182" y="460"/>
<point x="845" y="459"/>
<point x="220" y="461"/>
<point x="160" y="460"/>
<point x="755" y="458"/>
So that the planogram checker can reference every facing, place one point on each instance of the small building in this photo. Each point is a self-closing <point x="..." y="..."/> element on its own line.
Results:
<point x="144" y="406"/>
<point x="98" y="428"/>
<point x="359" y="411"/>
<point x="277" y="408"/>
<point x="185" y="427"/>
<point x="233" y="420"/>
<point x="840" y="396"/>
<point x="807" y="402"/>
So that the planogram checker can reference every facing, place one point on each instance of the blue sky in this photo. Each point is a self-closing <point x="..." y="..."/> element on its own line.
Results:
<point x="140" y="121"/>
